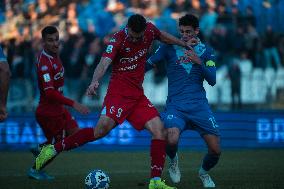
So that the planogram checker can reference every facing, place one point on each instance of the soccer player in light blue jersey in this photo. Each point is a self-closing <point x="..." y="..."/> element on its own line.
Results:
<point x="187" y="107"/>
<point x="4" y="85"/>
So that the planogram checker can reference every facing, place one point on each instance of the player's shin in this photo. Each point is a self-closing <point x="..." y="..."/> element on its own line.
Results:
<point x="209" y="161"/>
<point x="171" y="151"/>
<point x="79" y="138"/>
<point x="158" y="154"/>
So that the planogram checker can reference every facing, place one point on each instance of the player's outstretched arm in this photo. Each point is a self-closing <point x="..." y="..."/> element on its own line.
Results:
<point x="158" y="56"/>
<point x="56" y="96"/>
<point x="98" y="74"/>
<point x="170" y="39"/>
<point x="81" y="108"/>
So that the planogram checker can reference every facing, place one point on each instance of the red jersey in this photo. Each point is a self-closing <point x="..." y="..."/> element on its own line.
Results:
<point x="50" y="76"/>
<point x="128" y="61"/>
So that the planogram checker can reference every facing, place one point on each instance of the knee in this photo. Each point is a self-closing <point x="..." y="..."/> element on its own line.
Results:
<point x="159" y="133"/>
<point x="173" y="136"/>
<point x="215" y="151"/>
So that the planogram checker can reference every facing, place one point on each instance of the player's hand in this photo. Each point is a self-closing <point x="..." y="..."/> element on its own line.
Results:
<point x="92" y="88"/>
<point x="81" y="108"/>
<point x="194" y="58"/>
<point x="191" y="42"/>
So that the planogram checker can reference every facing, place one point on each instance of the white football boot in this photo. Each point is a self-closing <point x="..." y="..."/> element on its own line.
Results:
<point x="174" y="170"/>
<point x="206" y="181"/>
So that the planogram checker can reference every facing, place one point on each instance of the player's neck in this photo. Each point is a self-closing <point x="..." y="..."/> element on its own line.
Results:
<point x="50" y="53"/>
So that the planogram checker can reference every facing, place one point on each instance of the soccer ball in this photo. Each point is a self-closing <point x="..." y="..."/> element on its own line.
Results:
<point x="97" y="179"/>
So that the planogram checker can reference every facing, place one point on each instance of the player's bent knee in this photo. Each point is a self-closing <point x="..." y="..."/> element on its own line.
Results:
<point x="173" y="136"/>
<point x="159" y="133"/>
<point x="215" y="151"/>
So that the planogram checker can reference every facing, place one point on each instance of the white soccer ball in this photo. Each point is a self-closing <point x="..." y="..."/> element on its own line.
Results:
<point x="97" y="179"/>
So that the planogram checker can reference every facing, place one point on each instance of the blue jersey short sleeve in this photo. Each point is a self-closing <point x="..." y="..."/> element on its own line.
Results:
<point x="158" y="56"/>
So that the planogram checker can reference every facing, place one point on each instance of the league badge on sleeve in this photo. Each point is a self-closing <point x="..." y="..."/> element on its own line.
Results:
<point x="46" y="77"/>
<point x="112" y="40"/>
<point x="109" y="48"/>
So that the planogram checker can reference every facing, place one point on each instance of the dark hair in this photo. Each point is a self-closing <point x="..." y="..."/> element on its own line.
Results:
<point x="189" y="20"/>
<point x="137" y="23"/>
<point x="48" y="30"/>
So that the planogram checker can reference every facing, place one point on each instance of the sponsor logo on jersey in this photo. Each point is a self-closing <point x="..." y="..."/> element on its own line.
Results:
<point x="138" y="55"/>
<point x="127" y="49"/>
<point x="59" y="74"/>
<point x="126" y="68"/>
<point x="60" y="89"/>
<point x="46" y="77"/>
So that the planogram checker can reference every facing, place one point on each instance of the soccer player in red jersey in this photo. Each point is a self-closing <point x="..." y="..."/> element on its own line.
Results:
<point x="125" y="99"/>
<point x="4" y="85"/>
<point x="54" y="119"/>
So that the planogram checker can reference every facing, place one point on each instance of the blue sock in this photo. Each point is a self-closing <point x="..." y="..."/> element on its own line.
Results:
<point x="209" y="161"/>
<point x="171" y="151"/>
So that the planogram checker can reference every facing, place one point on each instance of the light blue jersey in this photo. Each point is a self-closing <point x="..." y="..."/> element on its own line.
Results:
<point x="2" y="56"/>
<point x="187" y="105"/>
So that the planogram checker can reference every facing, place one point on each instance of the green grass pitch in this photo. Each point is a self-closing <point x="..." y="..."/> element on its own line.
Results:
<point x="238" y="169"/>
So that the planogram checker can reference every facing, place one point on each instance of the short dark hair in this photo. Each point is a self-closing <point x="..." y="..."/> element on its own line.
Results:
<point x="48" y="30"/>
<point x="137" y="23"/>
<point x="189" y="20"/>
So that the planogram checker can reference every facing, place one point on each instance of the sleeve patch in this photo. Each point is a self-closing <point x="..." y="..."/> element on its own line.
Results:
<point x="46" y="77"/>
<point x="210" y="63"/>
<point x="109" y="48"/>
<point x="112" y="40"/>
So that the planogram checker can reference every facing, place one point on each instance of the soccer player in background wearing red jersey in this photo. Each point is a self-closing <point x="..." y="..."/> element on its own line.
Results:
<point x="125" y="99"/>
<point x="54" y="119"/>
<point x="4" y="85"/>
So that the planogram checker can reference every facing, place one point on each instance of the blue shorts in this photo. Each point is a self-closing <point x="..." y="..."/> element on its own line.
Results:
<point x="200" y="120"/>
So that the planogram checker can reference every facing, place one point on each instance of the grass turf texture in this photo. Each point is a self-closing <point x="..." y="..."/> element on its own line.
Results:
<point x="243" y="169"/>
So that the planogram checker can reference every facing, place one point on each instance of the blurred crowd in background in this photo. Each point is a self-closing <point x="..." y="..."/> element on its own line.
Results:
<point x="247" y="35"/>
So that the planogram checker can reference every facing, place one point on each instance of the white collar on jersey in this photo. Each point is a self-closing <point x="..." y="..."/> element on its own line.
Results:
<point x="45" y="53"/>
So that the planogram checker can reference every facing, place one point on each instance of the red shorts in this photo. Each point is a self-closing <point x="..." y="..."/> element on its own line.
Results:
<point x="55" y="128"/>
<point x="137" y="111"/>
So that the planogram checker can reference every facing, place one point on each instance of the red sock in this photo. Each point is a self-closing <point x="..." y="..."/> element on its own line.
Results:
<point x="79" y="138"/>
<point x="158" y="154"/>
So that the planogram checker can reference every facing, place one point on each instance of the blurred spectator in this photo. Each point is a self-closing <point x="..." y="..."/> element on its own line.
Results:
<point x="281" y="48"/>
<point x="220" y="41"/>
<point x="270" y="48"/>
<point x="249" y="17"/>
<point x="235" y="77"/>
<point x="251" y="39"/>
<point x="166" y="23"/>
<point x="71" y="56"/>
<point x="208" y="21"/>
<point x="238" y="42"/>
